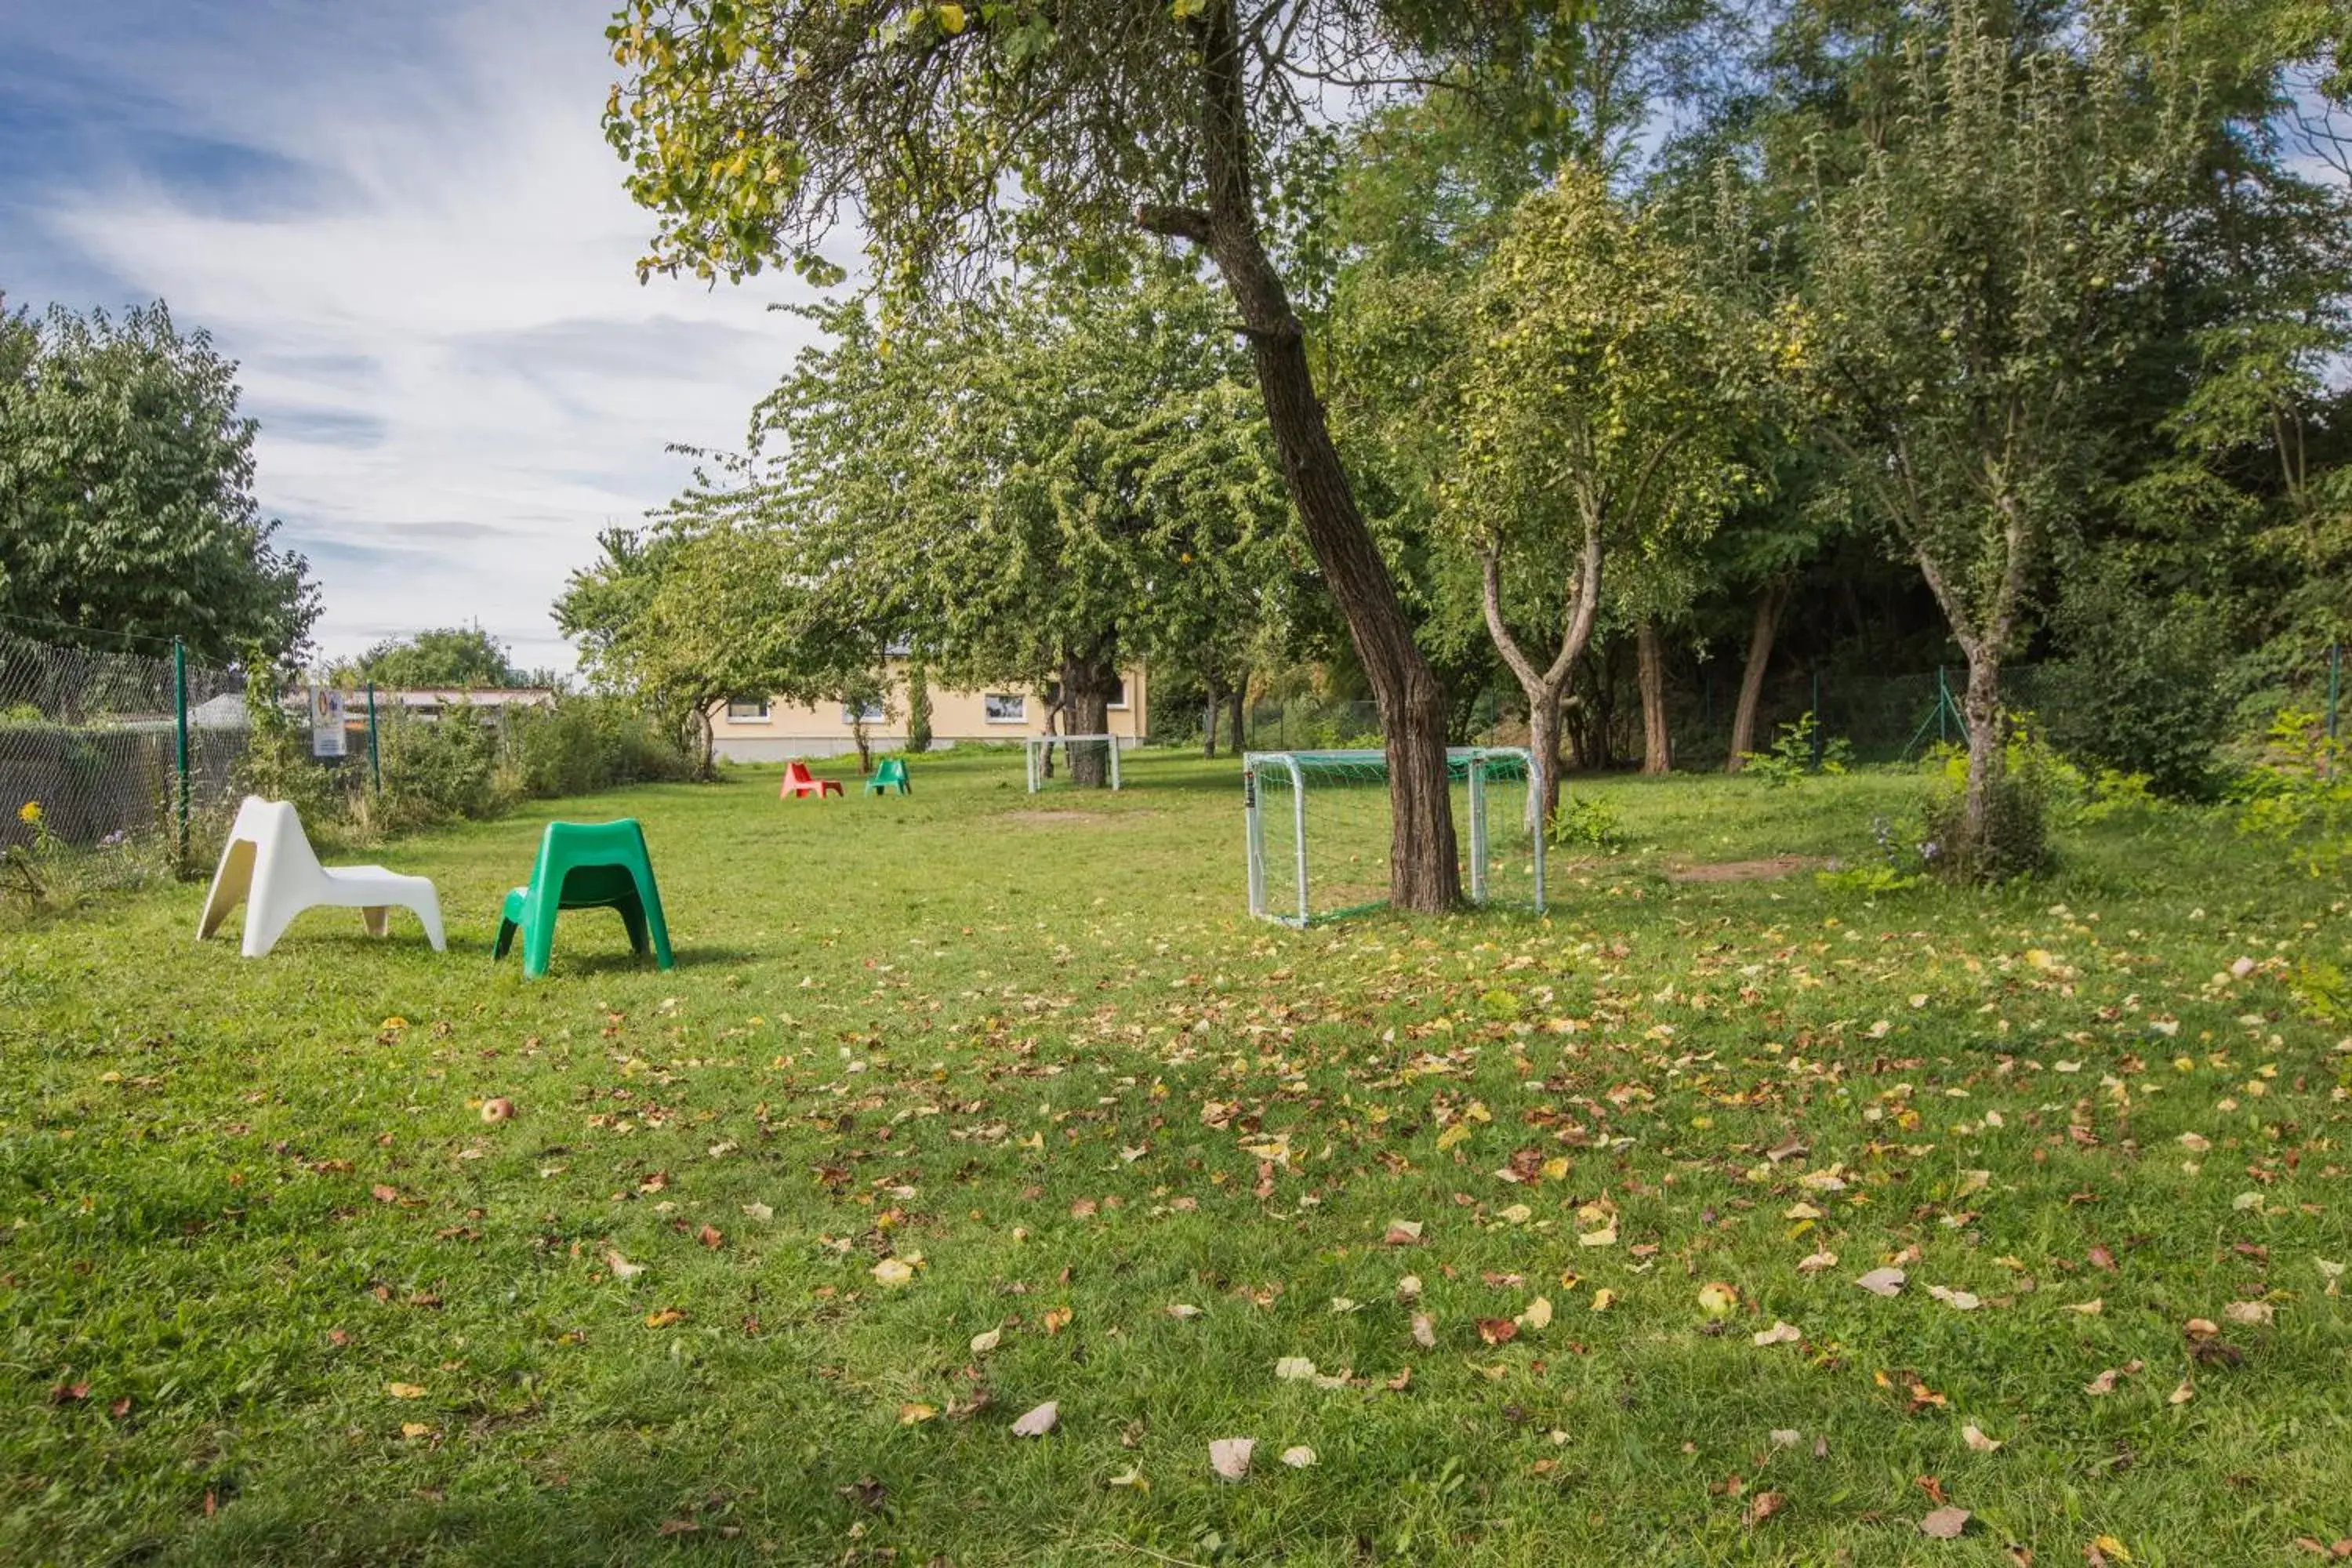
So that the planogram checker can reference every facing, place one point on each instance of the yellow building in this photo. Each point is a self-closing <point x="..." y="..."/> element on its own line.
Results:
<point x="770" y="729"/>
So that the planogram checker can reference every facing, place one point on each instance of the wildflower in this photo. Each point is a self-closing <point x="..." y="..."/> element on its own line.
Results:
<point x="29" y="814"/>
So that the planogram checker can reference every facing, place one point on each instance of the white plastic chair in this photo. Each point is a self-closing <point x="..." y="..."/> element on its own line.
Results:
<point x="267" y="864"/>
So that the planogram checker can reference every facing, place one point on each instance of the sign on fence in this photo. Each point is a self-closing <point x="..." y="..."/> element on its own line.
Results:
<point x="326" y="721"/>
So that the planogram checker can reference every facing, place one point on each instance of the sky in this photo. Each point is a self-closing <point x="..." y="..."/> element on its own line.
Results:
<point x="404" y="224"/>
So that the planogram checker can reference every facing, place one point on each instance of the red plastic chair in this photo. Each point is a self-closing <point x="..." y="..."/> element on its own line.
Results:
<point x="798" y="781"/>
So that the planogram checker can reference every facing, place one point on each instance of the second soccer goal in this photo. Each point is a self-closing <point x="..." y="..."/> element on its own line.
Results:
<point x="1318" y="827"/>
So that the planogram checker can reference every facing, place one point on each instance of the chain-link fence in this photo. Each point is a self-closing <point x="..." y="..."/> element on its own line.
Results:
<point x="109" y="761"/>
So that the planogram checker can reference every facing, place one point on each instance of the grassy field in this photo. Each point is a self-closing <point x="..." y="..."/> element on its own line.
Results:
<point x="273" y="1291"/>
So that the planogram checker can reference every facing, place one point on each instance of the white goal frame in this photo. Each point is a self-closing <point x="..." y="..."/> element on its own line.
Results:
<point x="1473" y="762"/>
<point x="1033" y="749"/>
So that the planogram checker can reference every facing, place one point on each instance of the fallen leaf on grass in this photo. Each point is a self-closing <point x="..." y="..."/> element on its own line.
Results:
<point x="1973" y="1436"/>
<point x="1602" y="1299"/>
<point x="1038" y="1422"/>
<point x="1132" y="1478"/>
<point x="1181" y="1309"/>
<point x="2251" y="1313"/>
<point x="664" y="1318"/>
<point x="1605" y="1237"/>
<point x="1498" y="1330"/>
<point x="2105" y="1381"/>
<point x="1538" y="1314"/>
<point x="414" y="1429"/>
<point x="1424" y="1333"/>
<point x="1761" y="1507"/>
<point x="710" y="1236"/>
<point x="2196" y="1142"/>
<point x="1403" y="1233"/>
<point x="2090" y="1308"/>
<point x="2182" y="1394"/>
<point x="1230" y="1457"/>
<point x="1294" y="1369"/>
<point x="760" y="1212"/>
<point x="1717" y="1300"/>
<point x="915" y="1415"/>
<point x="1958" y="1300"/>
<point x="1814" y="1262"/>
<point x="384" y="1195"/>
<point x="404" y="1391"/>
<point x="1058" y="1318"/>
<point x="1944" y="1524"/>
<point x="1883" y="1281"/>
<point x="1300" y="1457"/>
<point x="1779" y="1333"/>
<point x="2104" y="1549"/>
<point x="984" y="1342"/>
<point x="894" y="1272"/>
<point x="1409" y="1288"/>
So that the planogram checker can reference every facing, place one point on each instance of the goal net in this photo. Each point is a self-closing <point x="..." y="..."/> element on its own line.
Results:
<point x="1318" y="827"/>
<point x="1088" y="762"/>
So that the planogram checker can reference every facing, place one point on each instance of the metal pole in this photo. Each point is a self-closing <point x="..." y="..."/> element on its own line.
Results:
<point x="1943" y="709"/>
<point x="1477" y="828"/>
<point x="1817" y="721"/>
<point x="1298" y="833"/>
<point x="1114" y="764"/>
<point x="2335" y="674"/>
<point x="180" y="710"/>
<point x="376" y="763"/>
<point x="1255" y="837"/>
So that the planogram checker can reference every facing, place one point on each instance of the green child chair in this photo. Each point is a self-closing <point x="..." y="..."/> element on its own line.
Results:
<point x="889" y="773"/>
<point x="585" y="866"/>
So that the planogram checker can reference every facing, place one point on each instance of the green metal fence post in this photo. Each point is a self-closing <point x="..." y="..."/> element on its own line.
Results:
<point x="180" y="726"/>
<point x="375" y="764"/>
<point x="1817" y="721"/>
<point x="2335" y="681"/>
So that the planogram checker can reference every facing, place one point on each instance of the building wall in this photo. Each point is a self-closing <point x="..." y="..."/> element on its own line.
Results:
<point x="797" y="730"/>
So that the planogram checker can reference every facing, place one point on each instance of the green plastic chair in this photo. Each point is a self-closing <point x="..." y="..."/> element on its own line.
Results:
<point x="888" y="773"/>
<point x="585" y="866"/>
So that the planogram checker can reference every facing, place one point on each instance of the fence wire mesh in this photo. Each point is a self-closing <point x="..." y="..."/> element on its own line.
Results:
<point x="91" y="779"/>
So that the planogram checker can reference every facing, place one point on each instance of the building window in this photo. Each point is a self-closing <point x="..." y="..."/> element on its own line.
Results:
<point x="872" y="713"/>
<point x="748" y="710"/>
<point x="1005" y="708"/>
<point x="1119" y="693"/>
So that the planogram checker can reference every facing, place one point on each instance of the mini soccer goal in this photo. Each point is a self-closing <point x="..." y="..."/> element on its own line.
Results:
<point x="1071" y="759"/>
<point x="1318" y="827"/>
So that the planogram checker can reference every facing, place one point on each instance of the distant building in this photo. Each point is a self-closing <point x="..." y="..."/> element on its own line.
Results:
<point x="769" y="728"/>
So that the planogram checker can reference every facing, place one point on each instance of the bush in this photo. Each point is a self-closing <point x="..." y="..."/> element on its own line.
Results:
<point x="1792" y="755"/>
<point x="435" y="771"/>
<point x="2299" y="794"/>
<point x="1589" y="823"/>
<point x="2139" y="691"/>
<point x="585" y="743"/>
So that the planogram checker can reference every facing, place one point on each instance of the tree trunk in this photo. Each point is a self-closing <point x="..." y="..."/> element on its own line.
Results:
<point x="1751" y="675"/>
<point x="1423" y="874"/>
<point x="1656" y="743"/>
<point x="1089" y="678"/>
<point x="1543" y="745"/>
<point x="865" y="743"/>
<point x="1211" y="706"/>
<point x="1238" y="702"/>
<point x="1988" y="753"/>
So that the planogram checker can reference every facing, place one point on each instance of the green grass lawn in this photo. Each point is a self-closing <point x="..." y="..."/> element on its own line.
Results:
<point x="274" y="1291"/>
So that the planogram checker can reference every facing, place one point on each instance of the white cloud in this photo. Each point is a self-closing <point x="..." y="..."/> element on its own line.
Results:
<point x="431" y="289"/>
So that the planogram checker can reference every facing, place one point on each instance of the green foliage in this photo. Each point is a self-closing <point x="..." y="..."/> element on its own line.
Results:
<point x="2140" y="689"/>
<point x="1796" y="751"/>
<point x="2299" y="794"/>
<point x="919" y="706"/>
<point x="126" y="491"/>
<point x="461" y="657"/>
<point x="277" y="763"/>
<point x="1589" y="822"/>
<point x="583" y="744"/>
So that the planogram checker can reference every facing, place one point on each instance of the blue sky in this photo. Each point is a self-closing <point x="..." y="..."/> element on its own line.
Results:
<point x="404" y="224"/>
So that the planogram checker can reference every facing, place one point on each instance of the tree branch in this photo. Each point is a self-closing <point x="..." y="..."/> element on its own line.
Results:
<point x="1174" y="223"/>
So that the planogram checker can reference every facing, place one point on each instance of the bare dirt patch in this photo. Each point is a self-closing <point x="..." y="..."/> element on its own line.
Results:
<point x="1763" y="870"/>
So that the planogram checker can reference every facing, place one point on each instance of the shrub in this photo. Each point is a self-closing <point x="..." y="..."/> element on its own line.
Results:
<point x="581" y="744"/>
<point x="2139" y="691"/>
<point x="1591" y="823"/>
<point x="1791" y="754"/>
<point x="435" y="771"/>
<point x="2297" y="793"/>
